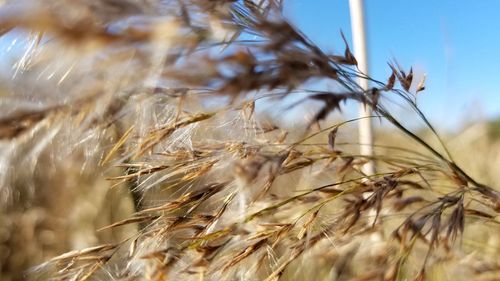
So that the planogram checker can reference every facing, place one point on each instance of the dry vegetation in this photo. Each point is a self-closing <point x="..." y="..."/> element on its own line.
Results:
<point x="153" y="140"/>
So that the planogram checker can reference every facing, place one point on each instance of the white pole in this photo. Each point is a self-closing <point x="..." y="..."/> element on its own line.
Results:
<point x="359" y="44"/>
<point x="365" y="124"/>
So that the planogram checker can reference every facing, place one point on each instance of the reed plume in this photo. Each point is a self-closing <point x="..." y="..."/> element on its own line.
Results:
<point x="188" y="106"/>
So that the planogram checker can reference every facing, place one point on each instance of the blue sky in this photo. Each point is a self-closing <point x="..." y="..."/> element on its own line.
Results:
<point x="455" y="42"/>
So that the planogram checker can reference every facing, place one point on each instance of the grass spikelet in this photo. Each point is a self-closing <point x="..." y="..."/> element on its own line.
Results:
<point x="194" y="125"/>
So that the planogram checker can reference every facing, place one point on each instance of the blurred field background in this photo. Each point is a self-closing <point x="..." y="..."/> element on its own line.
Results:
<point x="52" y="207"/>
<point x="69" y="206"/>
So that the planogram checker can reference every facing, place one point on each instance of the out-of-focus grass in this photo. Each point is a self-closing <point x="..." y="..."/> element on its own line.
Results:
<point x="219" y="194"/>
<point x="63" y="214"/>
<point x="494" y="129"/>
<point x="69" y="207"/>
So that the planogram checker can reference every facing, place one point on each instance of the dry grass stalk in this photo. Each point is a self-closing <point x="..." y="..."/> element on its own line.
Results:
<point x="223" y="194"/>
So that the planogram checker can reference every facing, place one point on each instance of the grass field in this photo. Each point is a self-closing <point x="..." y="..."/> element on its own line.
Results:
<point x="188" y="140"/>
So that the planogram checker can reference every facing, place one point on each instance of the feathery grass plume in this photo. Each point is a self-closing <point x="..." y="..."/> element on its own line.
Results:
<point x="186" y="105"/>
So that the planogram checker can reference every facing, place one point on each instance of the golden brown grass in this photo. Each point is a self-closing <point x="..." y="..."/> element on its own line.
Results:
<point x="167" y="101"/>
